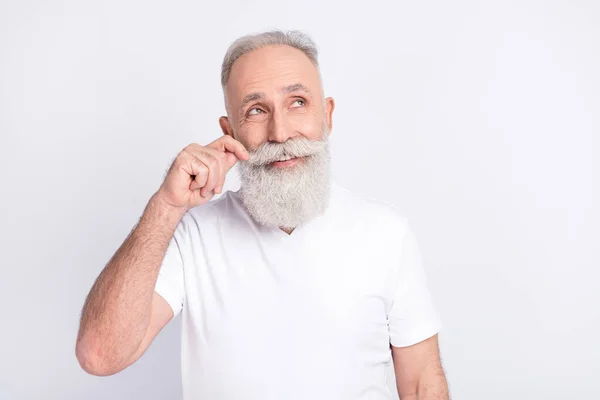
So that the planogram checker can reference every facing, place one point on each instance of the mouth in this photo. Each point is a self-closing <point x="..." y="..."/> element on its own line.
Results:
<point x="286" y="162"/>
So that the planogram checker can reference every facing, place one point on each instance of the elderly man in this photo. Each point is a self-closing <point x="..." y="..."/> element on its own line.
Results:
<point x="291" y="287"/>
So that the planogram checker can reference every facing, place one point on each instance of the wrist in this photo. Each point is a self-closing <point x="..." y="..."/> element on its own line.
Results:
<point x="162" y="210"/>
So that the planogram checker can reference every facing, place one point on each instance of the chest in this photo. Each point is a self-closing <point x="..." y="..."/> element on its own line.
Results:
<point x="314" y="309"/>
<point x="308" y="290"/>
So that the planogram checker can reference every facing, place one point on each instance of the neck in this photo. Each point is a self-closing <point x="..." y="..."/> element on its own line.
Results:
<point x="287" y="230"/>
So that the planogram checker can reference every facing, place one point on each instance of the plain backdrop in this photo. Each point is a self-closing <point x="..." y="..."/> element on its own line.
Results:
<point x="480" y="120"/>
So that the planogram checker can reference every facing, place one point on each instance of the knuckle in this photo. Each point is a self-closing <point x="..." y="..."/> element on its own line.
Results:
<point x="212" y="160"/>
<point x="191" y="149"/>
<point x="192" y="146"/>
<point x="202" y="167"/>
<point x="199" y="166"/>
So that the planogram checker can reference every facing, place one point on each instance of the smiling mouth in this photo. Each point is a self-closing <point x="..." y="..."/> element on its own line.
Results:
<point x="287" y="162"/>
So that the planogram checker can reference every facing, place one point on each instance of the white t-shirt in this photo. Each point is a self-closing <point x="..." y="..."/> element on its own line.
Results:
<point x="311" y="315"/>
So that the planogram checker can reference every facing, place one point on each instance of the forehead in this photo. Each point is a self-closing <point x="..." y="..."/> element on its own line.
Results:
<point x="269" y="69"/>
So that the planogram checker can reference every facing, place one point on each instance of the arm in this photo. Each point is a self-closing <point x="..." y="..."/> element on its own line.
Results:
<point x="419" y="373"/>
<point x="122" y="314"/>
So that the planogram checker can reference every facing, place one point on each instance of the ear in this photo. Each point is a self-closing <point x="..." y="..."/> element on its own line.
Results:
<point x="225" y="126"/>
<point x="329" y="107"/>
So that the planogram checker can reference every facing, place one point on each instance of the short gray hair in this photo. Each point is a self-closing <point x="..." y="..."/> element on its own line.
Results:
<point x="248" y="43"/>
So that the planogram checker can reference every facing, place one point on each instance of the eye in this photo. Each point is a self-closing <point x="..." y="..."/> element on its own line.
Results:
<point x="298" y="103"/>
<point x="255" y="111"/>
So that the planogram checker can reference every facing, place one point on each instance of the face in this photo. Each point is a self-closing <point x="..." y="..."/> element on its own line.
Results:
<point x="274" y="94"/>
<point x="277" y="110"/>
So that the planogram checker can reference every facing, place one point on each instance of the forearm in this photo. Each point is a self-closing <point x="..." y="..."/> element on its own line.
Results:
<point x="117" y="311"/>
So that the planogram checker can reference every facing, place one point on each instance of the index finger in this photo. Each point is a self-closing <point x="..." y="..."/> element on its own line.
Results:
<point x="227" y="143"/>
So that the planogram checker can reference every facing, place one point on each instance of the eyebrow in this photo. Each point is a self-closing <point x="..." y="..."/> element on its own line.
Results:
<point x="295" y="87"/>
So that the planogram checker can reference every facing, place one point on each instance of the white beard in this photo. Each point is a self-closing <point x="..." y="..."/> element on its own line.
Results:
<point x="285" y="197"/>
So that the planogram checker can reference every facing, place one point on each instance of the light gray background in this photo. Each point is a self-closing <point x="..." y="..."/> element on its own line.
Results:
<point x="480" y="120"/>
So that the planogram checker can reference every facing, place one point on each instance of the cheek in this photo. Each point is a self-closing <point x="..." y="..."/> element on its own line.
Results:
<point x="310" y="126"/>
<point x="252" y="135"/>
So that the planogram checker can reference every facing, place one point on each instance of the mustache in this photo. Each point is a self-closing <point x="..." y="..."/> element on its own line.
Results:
<point x="300" y="146"/>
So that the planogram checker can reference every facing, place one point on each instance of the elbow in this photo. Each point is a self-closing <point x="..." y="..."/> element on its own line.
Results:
<point x="91" y="361"/>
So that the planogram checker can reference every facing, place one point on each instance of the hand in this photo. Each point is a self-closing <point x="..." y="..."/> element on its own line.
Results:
<point x="198" y="172"/>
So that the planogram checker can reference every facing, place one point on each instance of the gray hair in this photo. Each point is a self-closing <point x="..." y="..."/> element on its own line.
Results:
<point x="248" y="43"/>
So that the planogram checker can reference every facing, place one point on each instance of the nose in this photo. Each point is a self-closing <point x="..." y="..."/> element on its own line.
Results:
<point x="279" y="127"/>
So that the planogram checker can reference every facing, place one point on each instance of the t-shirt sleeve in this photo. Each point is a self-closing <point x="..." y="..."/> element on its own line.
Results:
<point x="413" y="316"/>
<point x="170" y="282"/>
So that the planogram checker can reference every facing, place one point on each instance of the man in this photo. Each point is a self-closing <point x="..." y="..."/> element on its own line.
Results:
<point x="291" y="287"/>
